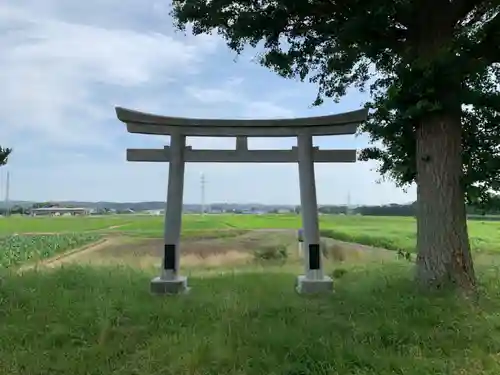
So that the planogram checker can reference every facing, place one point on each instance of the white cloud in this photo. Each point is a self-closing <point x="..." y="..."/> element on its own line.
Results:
<point x="50" y="70"/>
<point x="232" y="92"/>
<point x="266" y="109"/>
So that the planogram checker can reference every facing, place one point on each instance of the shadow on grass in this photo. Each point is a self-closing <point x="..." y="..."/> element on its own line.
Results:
<point x="94" y="321"/>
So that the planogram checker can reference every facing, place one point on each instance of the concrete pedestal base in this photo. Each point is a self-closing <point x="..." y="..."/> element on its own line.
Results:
<point x="177" y="286"/>
<point x="308" y="286"/>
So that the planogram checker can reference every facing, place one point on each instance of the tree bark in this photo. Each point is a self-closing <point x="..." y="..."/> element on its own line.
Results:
<point x="444" y="257"/>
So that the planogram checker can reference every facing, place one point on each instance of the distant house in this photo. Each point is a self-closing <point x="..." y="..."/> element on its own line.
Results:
<point x="59" y="211"/>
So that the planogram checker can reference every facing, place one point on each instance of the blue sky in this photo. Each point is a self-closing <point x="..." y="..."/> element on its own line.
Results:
<point x="65" y="65"/>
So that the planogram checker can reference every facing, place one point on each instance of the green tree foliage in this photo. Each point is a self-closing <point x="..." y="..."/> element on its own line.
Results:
<point x="45" y="205"/>
<point x="432" y="68"/>
<point x="4" y="155"/>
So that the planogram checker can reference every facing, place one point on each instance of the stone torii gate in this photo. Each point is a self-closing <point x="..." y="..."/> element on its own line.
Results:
<point x="305" y="154"/>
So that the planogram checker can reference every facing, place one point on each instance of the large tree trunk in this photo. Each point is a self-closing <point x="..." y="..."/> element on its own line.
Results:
<point x="444" y="257"/>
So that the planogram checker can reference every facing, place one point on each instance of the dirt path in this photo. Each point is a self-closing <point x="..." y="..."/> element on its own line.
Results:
<point x="355" y="252"/>
<point x="116" y="226"/>
<point x="354" y="246"/>
<point x="346" y="246"/>
<point x="59" y="259"/>
<point x="74" y="255"/>
<point x="112" y="227"/>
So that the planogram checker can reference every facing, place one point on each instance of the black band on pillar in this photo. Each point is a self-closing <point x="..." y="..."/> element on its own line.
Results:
<point x="314" y="255"/>
<point x="169" y="258"/>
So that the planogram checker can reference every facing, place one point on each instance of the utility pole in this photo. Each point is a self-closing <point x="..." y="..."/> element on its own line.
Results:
<point x="203" y="183"/>
<point x="7" y="188"/>
<point x="348" y="208"/>
<point x="1" y="181"/>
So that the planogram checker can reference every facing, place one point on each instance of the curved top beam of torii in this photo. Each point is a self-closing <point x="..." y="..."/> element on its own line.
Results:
<point x="146" y="123"/>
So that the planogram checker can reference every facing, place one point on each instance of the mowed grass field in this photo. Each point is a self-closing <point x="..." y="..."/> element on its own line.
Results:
<point x="87" y="319"/>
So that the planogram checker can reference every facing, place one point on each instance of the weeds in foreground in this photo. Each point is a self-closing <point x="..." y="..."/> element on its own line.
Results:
<point x="401" y="254"/>
<point x="333" y="251"/>
<point x="271" y="253"/>
<point x="104" y="321"/>
<point x="338" y="273"/>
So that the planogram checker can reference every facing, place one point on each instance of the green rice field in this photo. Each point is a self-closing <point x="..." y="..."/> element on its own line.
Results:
<point x="387" y="232"/>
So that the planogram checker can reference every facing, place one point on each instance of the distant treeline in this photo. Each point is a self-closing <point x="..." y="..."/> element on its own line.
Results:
<point x="387" y="210"/>
<point x="401" y="210"/>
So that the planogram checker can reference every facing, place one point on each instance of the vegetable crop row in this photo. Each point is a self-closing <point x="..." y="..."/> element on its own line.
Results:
<point x="18" y="249"/>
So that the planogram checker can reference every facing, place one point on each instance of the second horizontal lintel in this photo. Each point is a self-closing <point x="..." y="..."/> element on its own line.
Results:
<point x="241" y="156"/>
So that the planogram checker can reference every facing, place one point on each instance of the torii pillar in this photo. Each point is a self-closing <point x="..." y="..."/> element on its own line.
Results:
<point x="313" y="280"/>
<point x="169" y="281"/>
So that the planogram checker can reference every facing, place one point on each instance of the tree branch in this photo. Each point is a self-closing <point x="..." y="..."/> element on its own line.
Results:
<point x="4" y="155"/>
<point x="488" y="47"/>
<point x="462" y="8"/>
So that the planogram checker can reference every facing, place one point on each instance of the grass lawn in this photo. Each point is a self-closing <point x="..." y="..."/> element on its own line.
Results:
<point x="103" y="321"/>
